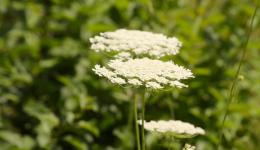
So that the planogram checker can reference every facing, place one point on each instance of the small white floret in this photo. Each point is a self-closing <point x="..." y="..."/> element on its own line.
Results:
<point x="188" y="147"/>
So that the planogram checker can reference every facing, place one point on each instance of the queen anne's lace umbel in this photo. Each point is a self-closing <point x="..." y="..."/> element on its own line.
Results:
<point x="174" y="128"/>
<point x="154" y="74"/>
<point x="139" y="43"/>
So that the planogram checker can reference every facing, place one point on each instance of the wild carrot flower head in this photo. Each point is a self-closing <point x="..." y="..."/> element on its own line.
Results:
<point x="174" y="128"/>
<point x="138" y="43"/>
<point x="150" y="73"/>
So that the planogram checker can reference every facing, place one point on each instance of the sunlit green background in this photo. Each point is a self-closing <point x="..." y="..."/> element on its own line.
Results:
<point x="51" y="99"/>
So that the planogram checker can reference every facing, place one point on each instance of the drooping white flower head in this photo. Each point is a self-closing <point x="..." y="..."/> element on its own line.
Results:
<point x="173" y="128"/>
<point x="150" y="73"/>
<point x="139" y="43"/>
<point x="188" y="147"/>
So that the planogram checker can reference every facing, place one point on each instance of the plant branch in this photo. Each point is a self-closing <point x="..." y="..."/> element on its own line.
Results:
<point x="136" y="123"/>
<point x="143" y="118"/>
<point x="234" y="83"/>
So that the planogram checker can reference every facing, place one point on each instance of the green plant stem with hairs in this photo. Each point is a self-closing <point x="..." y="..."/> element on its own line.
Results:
<point x="140" y="143"/>
<point x="130" y="121"/>
<point x="136" y="122"/>
<point x="234" y="83"/>
<point x="143" y="118"/>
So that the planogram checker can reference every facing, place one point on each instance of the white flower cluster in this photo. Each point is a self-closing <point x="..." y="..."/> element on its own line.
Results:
<point x="173" y="127"/>
<point x="188" y="147"/>
<point x="139" y="43"/>
<point x="154" y="74"/>
<point x="137" y="63"/>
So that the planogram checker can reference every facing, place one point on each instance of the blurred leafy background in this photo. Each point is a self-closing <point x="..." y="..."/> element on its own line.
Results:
<point x="50" y="98"/>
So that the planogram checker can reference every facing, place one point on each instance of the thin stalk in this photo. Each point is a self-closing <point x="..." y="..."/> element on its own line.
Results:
<point x="1" y="115"/>
<point x="170" y="103"/>
<point x="143" y="118"/>
<point x="136" y="123"/>
<point x="234" y="83"/>
<point x="130" y="121"/>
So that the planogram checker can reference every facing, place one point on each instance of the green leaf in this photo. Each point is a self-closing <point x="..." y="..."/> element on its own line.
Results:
<point x="89" y="126"/>
<point x="75" y="142"/>
<point x="15" y="139"/>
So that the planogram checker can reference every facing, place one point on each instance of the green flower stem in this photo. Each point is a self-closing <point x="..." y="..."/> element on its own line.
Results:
<point x="131" y="94"/>
<point x="143" y="118"/>
<point x="234" y="83"/>
<point x="136" y="123"/>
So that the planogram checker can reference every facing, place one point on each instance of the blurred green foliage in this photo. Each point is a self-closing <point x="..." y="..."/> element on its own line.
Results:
<point x="50" y="98"/>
